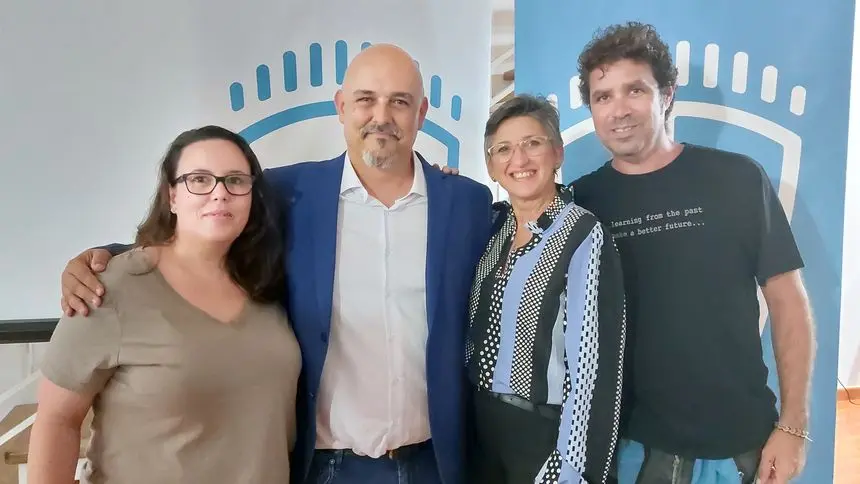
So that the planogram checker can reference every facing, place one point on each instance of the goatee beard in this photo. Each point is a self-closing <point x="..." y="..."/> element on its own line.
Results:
<point x="373" y="161"/>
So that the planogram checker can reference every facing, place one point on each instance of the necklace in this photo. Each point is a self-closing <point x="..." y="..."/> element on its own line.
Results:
<point x="532" y="227"/>
<point x="513" y="249"/>
<point x="503" y="270"/>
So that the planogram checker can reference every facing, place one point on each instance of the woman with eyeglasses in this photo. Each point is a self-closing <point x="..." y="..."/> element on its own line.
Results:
<point x="546" y="335"/>
<point x="189" y="365"/>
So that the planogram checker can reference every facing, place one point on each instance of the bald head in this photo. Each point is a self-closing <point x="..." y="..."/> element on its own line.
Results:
<point x="382" y="105"/>
<point x="386" y="60"/>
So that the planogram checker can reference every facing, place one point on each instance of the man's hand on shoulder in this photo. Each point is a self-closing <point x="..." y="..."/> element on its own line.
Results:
<point x="447" y="169"/>
<point x="79" y="282"/>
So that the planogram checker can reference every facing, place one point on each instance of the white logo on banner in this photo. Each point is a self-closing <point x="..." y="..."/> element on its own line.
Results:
<point x="441" y="126"/>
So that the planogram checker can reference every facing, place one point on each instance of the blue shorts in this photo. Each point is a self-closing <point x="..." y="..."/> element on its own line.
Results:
<point x="661" y="467"/>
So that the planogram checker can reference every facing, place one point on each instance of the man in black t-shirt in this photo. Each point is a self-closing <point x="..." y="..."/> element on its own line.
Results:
<point x="698" y="229"/>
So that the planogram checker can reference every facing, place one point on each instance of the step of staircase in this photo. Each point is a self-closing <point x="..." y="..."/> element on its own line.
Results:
<point x="15" y="451"/>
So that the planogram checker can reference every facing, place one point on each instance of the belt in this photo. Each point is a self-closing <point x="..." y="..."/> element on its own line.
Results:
<point x="399" y="453"/>
<point x="552" y="412"/>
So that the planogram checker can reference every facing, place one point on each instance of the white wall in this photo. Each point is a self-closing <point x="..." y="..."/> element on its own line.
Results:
<point x="849" y="337"/>
<point x="849" y="331"/>
<point x="97" y="97"/>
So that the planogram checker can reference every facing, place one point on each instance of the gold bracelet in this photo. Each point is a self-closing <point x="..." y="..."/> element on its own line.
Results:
<point x="803" y="434"/>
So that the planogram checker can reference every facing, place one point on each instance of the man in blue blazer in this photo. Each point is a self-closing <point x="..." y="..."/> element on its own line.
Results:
<point x="381" y="251"/>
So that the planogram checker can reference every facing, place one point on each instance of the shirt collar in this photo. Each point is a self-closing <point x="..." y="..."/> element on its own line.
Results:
<point x="349" y="181"/>
<point x="563" y="196"/>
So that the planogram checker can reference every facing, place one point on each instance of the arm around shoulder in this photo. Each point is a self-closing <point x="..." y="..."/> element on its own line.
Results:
<point x="611" y="318"/>
<point x="480" y="200"/>
<point x="116" y="249"/>
<point x="595" y="336"/>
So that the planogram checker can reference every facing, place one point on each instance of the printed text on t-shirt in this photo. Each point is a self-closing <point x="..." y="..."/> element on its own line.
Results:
<point x="657" y="222"/>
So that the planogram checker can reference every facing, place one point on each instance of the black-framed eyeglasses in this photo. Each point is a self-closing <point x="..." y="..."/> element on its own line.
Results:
<point x="204" y="183"/>
<point x="531" y="146"/>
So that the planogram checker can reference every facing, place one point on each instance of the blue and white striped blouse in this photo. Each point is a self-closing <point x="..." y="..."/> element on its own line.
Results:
<point x="558" y="299"/>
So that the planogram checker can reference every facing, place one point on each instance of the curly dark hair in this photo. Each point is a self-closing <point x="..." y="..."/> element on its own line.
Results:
<point x="255" y="260"/>
<point x="633" y="41"/>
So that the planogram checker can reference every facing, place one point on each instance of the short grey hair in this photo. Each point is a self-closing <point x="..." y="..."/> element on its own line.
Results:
<point x="536" y="107"/>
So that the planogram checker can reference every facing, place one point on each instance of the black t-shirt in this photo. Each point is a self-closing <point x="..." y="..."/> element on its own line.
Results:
<point x="694" y="238"/>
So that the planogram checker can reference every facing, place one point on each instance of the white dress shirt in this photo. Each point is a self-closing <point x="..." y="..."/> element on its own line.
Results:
<point x="373" y="393"/>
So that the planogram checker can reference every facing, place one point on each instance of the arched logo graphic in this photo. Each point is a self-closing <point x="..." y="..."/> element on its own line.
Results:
<point x="769" y="130"/>
<point x="290" y="82"/>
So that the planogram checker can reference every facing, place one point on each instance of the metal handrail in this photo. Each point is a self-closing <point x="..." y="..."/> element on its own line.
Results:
<point x="14" y="431"/>
<point x="11" y="393"/>
<point x="19" y="387"/>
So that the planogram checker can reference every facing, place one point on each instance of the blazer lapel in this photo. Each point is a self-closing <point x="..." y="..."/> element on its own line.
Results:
<point x="438" y="215"/>
<point x="324" y="237"/>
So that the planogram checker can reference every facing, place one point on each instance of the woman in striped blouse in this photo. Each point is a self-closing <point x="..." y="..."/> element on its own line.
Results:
<point x="547" y="328"/>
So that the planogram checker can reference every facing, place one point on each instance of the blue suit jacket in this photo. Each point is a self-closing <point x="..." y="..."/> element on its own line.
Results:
<point x="458" y="228"/>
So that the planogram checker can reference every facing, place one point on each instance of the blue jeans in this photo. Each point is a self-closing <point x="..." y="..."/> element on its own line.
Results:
<point x="344" y="467"/>
<point x="637" y="465"/>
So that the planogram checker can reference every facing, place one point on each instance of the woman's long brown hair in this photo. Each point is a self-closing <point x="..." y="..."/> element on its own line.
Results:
<point x="255" y="260"/>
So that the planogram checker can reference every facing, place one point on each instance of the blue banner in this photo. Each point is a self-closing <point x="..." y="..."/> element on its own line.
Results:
<point x="769" y="79"/>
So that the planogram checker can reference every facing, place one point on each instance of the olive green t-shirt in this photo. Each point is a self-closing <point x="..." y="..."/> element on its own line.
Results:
<point x="181" y="397"/>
